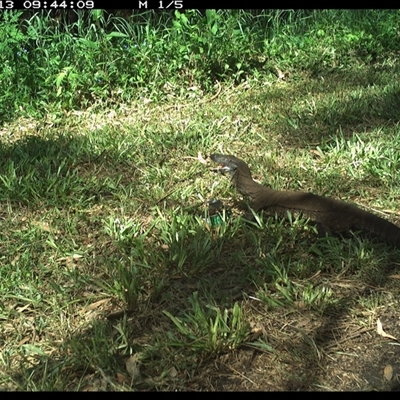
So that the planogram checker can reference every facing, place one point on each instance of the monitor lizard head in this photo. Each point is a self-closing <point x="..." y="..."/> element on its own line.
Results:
<point x="238" y="170"/>
<point x="227" y="163"/>
<point x="230" y="164"/>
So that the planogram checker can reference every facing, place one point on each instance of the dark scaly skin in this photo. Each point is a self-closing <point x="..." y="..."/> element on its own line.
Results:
<point x="331" y="215"/>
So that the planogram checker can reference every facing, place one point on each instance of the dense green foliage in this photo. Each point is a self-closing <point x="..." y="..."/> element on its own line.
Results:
<point x="49" y="64"/>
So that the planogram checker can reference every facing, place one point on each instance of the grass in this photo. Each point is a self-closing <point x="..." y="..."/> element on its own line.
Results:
<point x="113" y="274"/>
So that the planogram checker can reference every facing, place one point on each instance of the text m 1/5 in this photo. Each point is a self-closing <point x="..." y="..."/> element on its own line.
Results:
<point x="170" y="4"/>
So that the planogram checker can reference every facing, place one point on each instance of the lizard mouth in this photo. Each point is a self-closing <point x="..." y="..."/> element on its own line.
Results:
<point x="222" y="169"/>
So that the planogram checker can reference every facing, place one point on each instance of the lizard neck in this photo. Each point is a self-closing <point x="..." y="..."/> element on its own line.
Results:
<point x="244" y="182"/>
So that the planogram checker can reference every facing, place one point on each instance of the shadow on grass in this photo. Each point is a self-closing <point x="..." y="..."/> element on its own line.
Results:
<point x="98" y="351"/>
<point x="318" y="109"/>
<point x="60" y="171"/>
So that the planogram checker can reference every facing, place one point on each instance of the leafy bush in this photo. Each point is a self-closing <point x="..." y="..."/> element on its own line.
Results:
<point x="49" y="64"/>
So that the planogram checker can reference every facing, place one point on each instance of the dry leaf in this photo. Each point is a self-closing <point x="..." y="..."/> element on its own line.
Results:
<point x="77" y="256"/>
<point x="281" y="75"/>
<point x="303" y="323"/>
<point x="394" y="276"/>
<point x="94" y="305"/>
<point x="132" y="366"/>
<point x="24" y="340"/>
<point x="90" y="388"/>
<point x="316" y="152"/>
<point x="388" y="372"/>
<point x="44" y="227"/>
<point x="23" y="308"/>
<point x="255" y="334"/>
<point x="381" y="332"/>
<point x="121" y="378"/>
<point x="201" y="158"/>
<point x="173" y="372"/>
